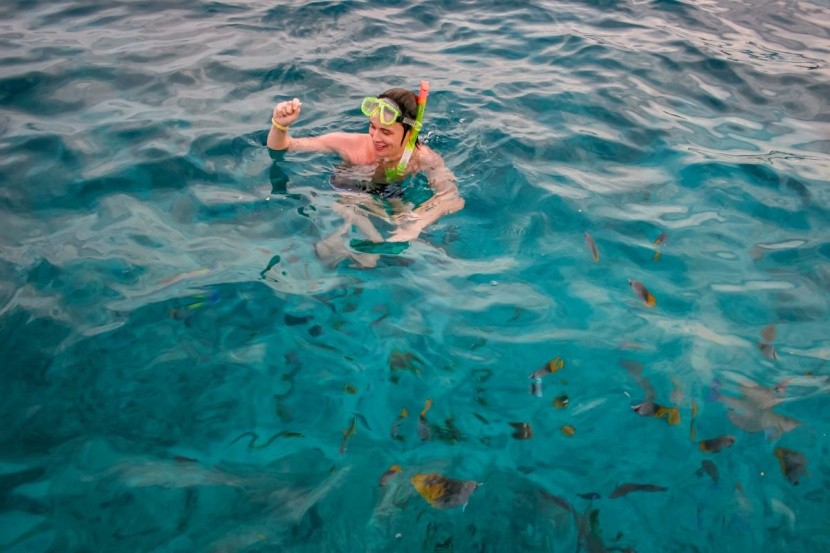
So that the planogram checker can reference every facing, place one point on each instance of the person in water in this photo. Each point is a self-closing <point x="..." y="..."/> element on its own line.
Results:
<point x="392" y="118"/>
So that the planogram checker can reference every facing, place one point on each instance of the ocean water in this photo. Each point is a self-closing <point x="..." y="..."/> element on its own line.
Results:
<point x="180" y="372"/>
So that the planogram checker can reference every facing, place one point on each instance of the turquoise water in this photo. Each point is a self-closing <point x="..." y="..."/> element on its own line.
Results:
<point x="178" y="367"/>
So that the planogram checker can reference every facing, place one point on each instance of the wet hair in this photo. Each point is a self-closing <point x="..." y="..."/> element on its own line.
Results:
<point x="408" y="103"/>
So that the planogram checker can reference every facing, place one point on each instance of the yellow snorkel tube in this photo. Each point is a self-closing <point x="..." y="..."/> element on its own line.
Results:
<point x="400" y="169"/>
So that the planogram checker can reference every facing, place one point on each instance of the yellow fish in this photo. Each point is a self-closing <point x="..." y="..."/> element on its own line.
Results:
<point x="550" y="367"/>
<point x="568" y="430"/>
<point x="394" y="431"/>
<point x="641" y="291"/>
<point x="442" y="492"/>
<point x="560" y="402"/>
<point x="393" y="471"/>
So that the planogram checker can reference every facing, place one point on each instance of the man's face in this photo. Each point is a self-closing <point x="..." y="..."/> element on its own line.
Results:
<point x="386" y="139"/>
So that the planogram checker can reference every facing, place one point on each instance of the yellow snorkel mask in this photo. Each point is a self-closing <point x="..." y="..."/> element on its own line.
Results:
<point x="387" y="111"/>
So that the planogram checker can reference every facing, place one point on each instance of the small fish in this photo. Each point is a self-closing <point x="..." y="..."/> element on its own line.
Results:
<point x="560" y="402"/>
<point x="768" y="350"/>
<point x="651" y="409"/>
<point x="708" y="467"/>
<point x="350" y="389"/>
<point x="536" y="387"/>
<point x="625" y="489"/>
<point x="550" y="367"/>
<point x="568" y="431"/>
<point x="713" y="445"/>
<point x="590" y="496"/>
<point x="394" y="431"/>
<point x="442" y="492"/>
<point x="793" y="464"/>
<point x="295" y="320"/>
<point x="692" y="431"/>
<point x="423" y="426"/>
<point x="182" y="459"/>
<point x="646" y="408"/>
<point x="523" y="431"/>
<point x="393" y="471"/>
<point x="768" y="333"/>
<point x="660" y="239"/>
<point x="642" y="293"/>
<point x="348" y="433"/>
<point x="669" y="414"/>
<point x="592" y="246"/>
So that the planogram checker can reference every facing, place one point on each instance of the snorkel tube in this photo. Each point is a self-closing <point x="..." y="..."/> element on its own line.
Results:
<point x="400" y="169"/>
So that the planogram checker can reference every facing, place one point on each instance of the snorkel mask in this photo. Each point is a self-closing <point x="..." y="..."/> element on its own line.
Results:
<point x="389" y="113"/>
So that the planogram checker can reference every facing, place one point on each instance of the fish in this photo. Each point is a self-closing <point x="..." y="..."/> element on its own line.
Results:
<point x="646" y="408"/>
<point x="392" y="472"/>
<point x="753" y="412"/>
<point x="550" y="367"/>
<point x="568" y="430"/>
<point x="560" y="402"/>
<point x="394" y="431"/>
<point x="423" y="426"/>
<point x="592" y="246"/>
<point x="692" y="432"/>
<point x="536" y="387"/>
<point x="641" y="292"/>
<point x="295" y="320"/>
<point x="793" y="464"/>
<point x="348" y="433"/>
<point x="523" y="430"/>
<point x="442" y="492"/>
<point x="710" y="468"/>
<point x="661" y="239"/>
<point x="183" y="459"/>
<point x="670" y="414"/>
<point x="768" y="333"/>
<point x="768" y="350"/>
<point x="350" y="389"/>
<point x="627" y="488"/>
<point x="714" y="445"/>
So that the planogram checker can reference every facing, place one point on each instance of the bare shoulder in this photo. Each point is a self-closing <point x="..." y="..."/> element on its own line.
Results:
<point x="429" y="158"/>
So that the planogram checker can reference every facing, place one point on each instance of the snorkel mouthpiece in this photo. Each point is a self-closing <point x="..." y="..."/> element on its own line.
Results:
<point x="400" y="169"/>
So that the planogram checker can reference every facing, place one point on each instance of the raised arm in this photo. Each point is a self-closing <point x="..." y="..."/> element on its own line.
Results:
<point x="445" y="199"/>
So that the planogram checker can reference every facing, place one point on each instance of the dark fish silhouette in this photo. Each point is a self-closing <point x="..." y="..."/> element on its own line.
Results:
<point x="626" y="489"/>
<point x="710" y="468"/>
<point x="713" y="445"/>
<point x="523" y="431"/>
<point x="793" y="464"/>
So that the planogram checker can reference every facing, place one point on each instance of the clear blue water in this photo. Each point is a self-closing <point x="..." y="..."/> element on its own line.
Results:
<point x="178" y="367"/>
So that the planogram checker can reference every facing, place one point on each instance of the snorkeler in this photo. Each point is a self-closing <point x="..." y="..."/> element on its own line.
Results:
<point x="389" y="153"/>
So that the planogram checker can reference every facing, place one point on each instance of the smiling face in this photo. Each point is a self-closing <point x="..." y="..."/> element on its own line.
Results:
<point x="388" y="141"/>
